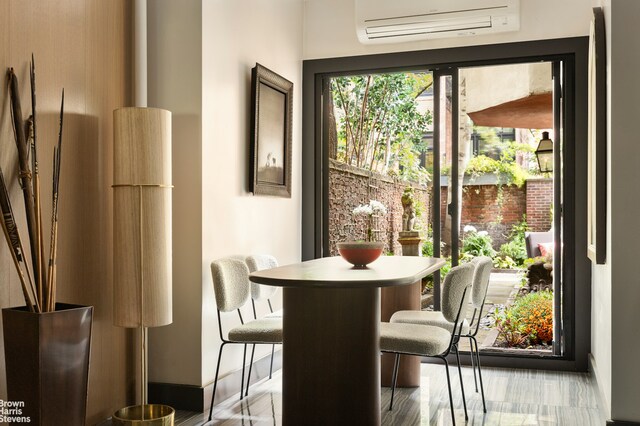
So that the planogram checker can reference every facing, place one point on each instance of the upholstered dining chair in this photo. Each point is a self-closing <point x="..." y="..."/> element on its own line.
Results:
<point x="232" y="290"/>
<point x="482" y="272"/>
<point x="481" y="279"/>
<point x="261" y="293"/>
<point x="429" y="340"/>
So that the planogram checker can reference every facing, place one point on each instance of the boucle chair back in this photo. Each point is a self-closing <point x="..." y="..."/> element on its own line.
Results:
<point x="454" y="295"/>
<point x="230" y="283"/>
<point x="483" y="266"/>
<point x="259" y="262"/>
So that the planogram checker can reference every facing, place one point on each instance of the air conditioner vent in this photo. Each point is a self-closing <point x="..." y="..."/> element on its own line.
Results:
<point x="379" y="22"/>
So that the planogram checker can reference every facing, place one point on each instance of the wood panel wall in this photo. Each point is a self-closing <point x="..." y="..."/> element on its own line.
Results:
<point x="83" y="46"/>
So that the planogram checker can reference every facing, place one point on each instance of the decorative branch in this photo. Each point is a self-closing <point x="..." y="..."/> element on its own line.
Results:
<point x="25" y="172"/>
<point x="14" y="241"/>
<point x="53" y="250"/>
<point x="38" y="286"/>
<point x="42" y="274"/>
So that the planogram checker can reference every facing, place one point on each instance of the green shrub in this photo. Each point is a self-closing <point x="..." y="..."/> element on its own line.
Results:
<point x="504" y="262"/>
<point x="427" y="247"/>
<point x="529" y="321"/>
<point x="535" y="310"/>
<point x="477" y="243"/>
<point x="445" y="269"/>
<point x="515" y="250"/>
<point x="482" y="164"/>
<point x="510" y="328"/>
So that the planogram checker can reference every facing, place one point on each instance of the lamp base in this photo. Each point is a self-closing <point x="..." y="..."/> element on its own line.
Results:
<point x="149" y="414"/>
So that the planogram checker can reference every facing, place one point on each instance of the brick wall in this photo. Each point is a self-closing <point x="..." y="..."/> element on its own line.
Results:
<point x="539" y="202"/>
<point x="349" y="187"/>
<point x="481" y="207"/>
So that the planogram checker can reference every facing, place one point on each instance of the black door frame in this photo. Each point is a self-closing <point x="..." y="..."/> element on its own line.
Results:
<point x="576" y="269"/>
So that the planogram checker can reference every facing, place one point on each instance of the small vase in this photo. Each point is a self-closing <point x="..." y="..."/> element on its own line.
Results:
<point x="360" y="253"/>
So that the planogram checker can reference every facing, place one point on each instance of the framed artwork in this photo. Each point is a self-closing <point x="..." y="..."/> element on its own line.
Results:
<point x="271" y="122"/>
<point x="597" y="142"/>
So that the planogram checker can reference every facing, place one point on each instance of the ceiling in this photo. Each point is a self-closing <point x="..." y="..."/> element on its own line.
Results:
<point x="530" y="112"/>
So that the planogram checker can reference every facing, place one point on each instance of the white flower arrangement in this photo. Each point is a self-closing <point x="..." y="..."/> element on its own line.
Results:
<point x="363" y="210"/>
<point x="374" y="207"/>
<point x="470" y="228"/>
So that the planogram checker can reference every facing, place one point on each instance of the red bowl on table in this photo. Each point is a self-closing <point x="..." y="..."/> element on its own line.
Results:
<point x="360" y="253"/>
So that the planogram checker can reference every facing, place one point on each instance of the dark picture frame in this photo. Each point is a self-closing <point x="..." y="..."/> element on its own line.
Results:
<point x="271" y="133"/>
<point x="597" y="142"/>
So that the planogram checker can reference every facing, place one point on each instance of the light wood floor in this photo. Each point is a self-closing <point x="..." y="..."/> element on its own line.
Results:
<point x="514" y="397"/>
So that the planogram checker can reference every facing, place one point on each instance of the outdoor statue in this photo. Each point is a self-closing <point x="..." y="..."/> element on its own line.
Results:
<point x="409" y="211"/>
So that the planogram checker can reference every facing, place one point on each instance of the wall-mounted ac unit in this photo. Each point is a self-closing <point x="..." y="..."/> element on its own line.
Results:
<point x="393" y="21"/>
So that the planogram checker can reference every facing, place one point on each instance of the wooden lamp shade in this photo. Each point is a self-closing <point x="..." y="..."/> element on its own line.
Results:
<point x="142" y="217"/>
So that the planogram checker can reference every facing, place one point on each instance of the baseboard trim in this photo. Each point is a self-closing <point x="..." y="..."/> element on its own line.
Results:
<point x="621" y="423"/>
<point x="198" y="398"/>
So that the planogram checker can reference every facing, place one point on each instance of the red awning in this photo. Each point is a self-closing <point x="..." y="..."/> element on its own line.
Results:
<point x="530" y="112"/>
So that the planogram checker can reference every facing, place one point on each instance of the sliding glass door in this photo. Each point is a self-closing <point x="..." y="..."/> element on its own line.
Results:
<point x="462" y="138"/>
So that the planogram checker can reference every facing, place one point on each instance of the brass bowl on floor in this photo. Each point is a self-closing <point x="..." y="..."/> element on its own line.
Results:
<point x="150" y="414"/>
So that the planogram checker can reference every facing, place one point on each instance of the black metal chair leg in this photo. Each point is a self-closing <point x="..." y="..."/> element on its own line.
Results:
<point x="253" y="350"/>
<point x="484" y="404"/>
<point x="464" y="399"/>
<point x="394" y="380"/>
<point x="215" y="383"/>
<point x="273" y="349"/>
<point x="244" y="361"/>
<point x="446" y="369"/>
<point x="473" y="364"/>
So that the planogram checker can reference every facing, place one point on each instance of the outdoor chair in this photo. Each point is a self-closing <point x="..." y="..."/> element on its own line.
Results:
<point x="482" y="272"/>
<point x="534" y="239"/>
<point x="231" y="288"/>
<point x="540" y="272"/>
<point x="260" y="293"/>
<point x="432" y="341"/>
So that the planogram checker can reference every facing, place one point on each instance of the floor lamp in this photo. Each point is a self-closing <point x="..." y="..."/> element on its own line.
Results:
<point x="142" y="238"/>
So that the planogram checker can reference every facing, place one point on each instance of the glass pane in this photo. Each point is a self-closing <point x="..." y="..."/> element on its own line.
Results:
<point x="506" y="203"/>
<point x="380" y="142"/>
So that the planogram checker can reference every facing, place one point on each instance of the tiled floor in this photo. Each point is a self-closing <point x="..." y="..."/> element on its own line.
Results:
<point x="514" y="397"/>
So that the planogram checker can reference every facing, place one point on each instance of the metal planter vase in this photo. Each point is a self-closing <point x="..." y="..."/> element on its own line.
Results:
<point x="47" y="362"/>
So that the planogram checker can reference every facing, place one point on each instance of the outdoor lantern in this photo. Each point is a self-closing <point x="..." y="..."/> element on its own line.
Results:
<point x="544" y="153"/>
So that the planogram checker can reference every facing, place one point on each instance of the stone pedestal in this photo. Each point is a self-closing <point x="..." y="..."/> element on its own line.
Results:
<point x="410" y="241"/>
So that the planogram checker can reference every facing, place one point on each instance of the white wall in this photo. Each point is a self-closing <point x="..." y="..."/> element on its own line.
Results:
<point x="484" y="84"/>
<point x="625" y="204"/>
<point x="174" y="83"/>
<point x="236" y="35"/>
<point x="330" y="28"/>
<point x="601" y="274"/>
<point x="200" y="59"/>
